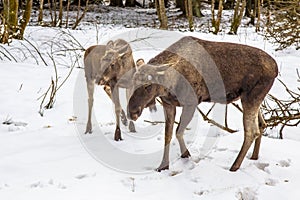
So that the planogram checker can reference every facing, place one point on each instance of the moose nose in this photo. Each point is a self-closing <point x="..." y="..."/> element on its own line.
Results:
<point x="134" y="117"/>
<point x="99" y="81"/>
<point x="135" y="114"/>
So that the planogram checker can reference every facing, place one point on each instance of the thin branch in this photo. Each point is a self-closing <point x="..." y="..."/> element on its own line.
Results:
<point x="215" y="123"/>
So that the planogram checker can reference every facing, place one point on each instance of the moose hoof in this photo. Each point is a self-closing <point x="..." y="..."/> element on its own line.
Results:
<point x="88" y="131"/>
<point x="118" y="135"/>
<point x="131" y="127"/>
<point x="254" y="158"/>
<point x="186" y="154"/>
<point x="162" y="167"/>
<point x="153" y="108"/>
<point x="233" y="168"/>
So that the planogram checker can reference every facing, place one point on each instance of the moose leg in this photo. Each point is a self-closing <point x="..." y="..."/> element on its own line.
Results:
<point x="107" y="89"/>
<point x="131" y="124"/>
<point x="262" y="126"/>
<point x="186" y="117"/>
<point x="116" y="101"/>
<point x="251" y="132"/>
<point x="90" y="89"/>
<point x="124" y="118"/>
<point x="170" y="111"/>
<point x="252" y="119"/>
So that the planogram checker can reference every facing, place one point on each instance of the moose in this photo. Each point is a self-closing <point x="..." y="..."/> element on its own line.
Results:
<point x="191" y="71"/>
<point x="106" y="65"/>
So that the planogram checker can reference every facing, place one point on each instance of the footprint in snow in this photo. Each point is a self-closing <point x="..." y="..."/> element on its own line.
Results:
<point x="284" y="163"/>
<point x="222" y="149"/>
<point x="37" y="185"/>
<point x="50" y="183"/>
<point x="201" y="192"/>
<point x="263" y="167"/>
<point x="4" y="186"/>
<point x="271" y="182"/>
<point x="83" y="176"/>
<point x="246" y="194"/>
<point x="129" y="183"/>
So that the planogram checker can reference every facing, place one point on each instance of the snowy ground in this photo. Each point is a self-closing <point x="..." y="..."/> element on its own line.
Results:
<point x="50" y="158"/>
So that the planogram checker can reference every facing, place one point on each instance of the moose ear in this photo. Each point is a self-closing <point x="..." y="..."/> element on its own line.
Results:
<point x="162" y="69"/>
<point x="124" y="50"/>
<point x="110" y="45"/>
<point x="140" y="62"/>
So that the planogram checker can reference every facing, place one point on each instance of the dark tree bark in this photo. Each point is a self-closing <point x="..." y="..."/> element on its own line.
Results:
<point x="13" y="13"/>
<point x="196" y="5"/>
<point x="133" y="3"/>
<point x="197" y="8"/>
<point x="180" y="4"/>
<point x="216" y="21"/>
<point x="229" y="4"/>
<point x="237" y="16"/>
<point x="161" y="12"/>
<point x="189" y="13"/>
<point x="117" y="3"/>
<point x="248" y="8"/>
<point x="40" y="17"/>
<point x="60" y="14"/>
<point x="130" y="3"/>
<point x="25" y="18"/>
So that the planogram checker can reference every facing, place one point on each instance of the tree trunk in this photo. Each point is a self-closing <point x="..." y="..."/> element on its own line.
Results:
<point x="25" y="18"/>
<point x="133" y="3"/>
<point x="117" y="3"/>
<point x="248" y="8"/>
<point x="50" y="10"/>
<point x="219" y="16"/>
<point x="5" y="10"/>
<point x="229" y="5"/>
<point x="162" y="14"/>
<point x="253" y="14"/>
<point x="68" y="9"/>
<point x="13" y="14"/>
<point x="237" y="16"/>
<point x="216" y="22"/>
<point x="4" y="36"/>
<point x="60" y="14"/>
<point x="78" y="19"/>
<point x="189" y="13"/>
<point x="213" y="19"/>
<point x="130" y="3"/>
<point x="257" y="27"/>
<point x="196" y="8"/>
<point x="157" y="10"/>
<point x="180" y="4"/>
<point x="55" y="14"/>
<point x="196" y="5"/>
<point x="40" y="17"/>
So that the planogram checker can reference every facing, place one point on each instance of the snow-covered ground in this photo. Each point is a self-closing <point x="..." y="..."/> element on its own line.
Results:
<point x="49" y="157"/>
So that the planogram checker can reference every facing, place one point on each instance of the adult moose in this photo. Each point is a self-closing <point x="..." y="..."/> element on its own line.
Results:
<point x="192" y="71"/>
<point x="105" y="65"/>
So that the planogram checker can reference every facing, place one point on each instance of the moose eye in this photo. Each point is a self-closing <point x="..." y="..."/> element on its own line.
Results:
<point x="148" y="88"/>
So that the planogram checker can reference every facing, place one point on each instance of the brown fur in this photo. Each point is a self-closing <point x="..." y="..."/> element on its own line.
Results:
<point x="118" y="60"/>
<point x="215" y="72"/>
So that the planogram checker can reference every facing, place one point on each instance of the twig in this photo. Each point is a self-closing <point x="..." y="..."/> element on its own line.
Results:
<point x="162" y="122"/>
<point x="205" y="118"/>
<point x="237" y="106"/>
<point x="284" y="113"/>
<point x="8" y="54"/>
<point x="38" y="52"/>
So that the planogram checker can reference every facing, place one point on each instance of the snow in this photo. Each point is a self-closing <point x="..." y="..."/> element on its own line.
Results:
<point x="50" y="158"/>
